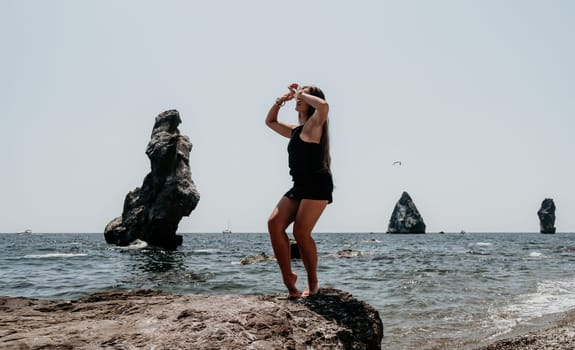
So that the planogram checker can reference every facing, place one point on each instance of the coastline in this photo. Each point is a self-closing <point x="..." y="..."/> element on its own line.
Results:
<point x="499" y="284"/>
<point x="144" y="318"/>
<point x="556" y="331"/>
<point x="159" y="320"/>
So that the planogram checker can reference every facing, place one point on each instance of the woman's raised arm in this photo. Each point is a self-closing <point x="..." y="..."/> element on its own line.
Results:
<point x="272" y="117"/>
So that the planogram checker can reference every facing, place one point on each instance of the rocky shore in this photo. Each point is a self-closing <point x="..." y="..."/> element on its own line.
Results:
<point x="558" y="334"/>
<point x="145" y="319"/>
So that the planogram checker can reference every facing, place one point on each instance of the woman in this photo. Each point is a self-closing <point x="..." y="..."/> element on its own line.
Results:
<point x="309" y="163"/>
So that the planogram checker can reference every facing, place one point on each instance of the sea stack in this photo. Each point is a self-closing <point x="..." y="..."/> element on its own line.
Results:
<point x="152" y="212"/>
<point x="405" y="217"/>
<point x="547" y="216"/>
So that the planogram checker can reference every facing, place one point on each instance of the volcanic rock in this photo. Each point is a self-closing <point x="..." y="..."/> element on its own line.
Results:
<point x="152" y="212"/>
<point x="547" y="216"/>
<point x="405" y="217"/>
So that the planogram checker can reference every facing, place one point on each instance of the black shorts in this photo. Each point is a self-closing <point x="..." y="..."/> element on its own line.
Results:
<point x="317" y="186"/>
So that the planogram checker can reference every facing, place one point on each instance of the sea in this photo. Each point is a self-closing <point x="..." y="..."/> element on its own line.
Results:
<point x="432" y="291"/>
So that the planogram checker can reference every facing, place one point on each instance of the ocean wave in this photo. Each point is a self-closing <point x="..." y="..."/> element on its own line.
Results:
<point x="206" y="251"/>
<point x="137" y="244"/>
<point x="54" y="255"/>
<point x="478" y="252"/>
<point x="373" y="240"/>
<point x="550" y="297"/>
<point x="536" y="255"/>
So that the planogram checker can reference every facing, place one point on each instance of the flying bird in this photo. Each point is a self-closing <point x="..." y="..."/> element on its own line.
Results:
<point x="397" y="162"/>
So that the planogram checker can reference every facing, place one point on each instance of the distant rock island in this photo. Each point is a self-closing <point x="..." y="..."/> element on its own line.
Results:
<point x="547" y="216"/>
<point x="405" y="217"/>
<point x="152" y="212"/>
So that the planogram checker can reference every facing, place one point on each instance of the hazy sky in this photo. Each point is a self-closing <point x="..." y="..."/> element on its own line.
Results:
<point x="476" y="98"/>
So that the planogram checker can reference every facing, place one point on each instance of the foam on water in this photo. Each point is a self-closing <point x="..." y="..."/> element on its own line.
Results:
<point x="208" y="251"/>
<point x="549" y="297"/>
<point x="137" y="244"/>
<point x="54" y="255"/>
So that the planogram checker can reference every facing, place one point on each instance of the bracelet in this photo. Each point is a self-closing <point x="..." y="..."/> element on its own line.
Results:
<point x="279" y="102"/>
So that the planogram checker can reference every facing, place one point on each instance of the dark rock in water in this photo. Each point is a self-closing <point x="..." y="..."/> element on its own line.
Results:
<point x="248" y="260"/>
<point x="547" y="216"/>
<point x="145" y="319"/>
<point x="152" y="212"/>
<point x="294" y="251"/>
<point x="405" y="217"/>
<point x="350" y="253"/>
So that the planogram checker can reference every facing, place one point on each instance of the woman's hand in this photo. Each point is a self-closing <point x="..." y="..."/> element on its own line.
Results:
<point x="294" y="89"/>
<point x="285" y="97"/>
<point x="294" y="92"/>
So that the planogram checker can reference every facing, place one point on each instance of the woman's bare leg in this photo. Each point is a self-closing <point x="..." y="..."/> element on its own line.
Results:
<point x="307" y="216"/>
<point x="281" y="217"/>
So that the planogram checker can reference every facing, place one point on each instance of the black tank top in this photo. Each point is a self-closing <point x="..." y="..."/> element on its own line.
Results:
<point x="305" y="158"/>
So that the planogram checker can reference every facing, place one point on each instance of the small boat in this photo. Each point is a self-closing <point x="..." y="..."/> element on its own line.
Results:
<point x="26" y="232"/>
<point x="227" y="230"/>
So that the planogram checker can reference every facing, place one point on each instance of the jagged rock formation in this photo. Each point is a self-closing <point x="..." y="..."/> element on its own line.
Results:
<point x="152" y="212"/>
<point x="547" y="216"/>
<point x="146" y="319"/>
<point x="405" y="217"/>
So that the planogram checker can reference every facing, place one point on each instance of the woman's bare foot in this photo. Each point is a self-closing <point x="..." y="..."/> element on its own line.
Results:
<point x="311" y="289"/>
<point x="290" y="283"/>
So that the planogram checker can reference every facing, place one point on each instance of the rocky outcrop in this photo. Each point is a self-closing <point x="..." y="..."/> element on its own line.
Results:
<point x="547" y="216"/>
<point x="252" y="259"/>
<point x="350" y="253"/>
<point x="153" y="212"/>
<point x="405" y="217"/>
<point x="155" y="320"/>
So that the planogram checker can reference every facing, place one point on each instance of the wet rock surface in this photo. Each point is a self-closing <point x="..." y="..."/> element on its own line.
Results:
<point x="151" y="319"/>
